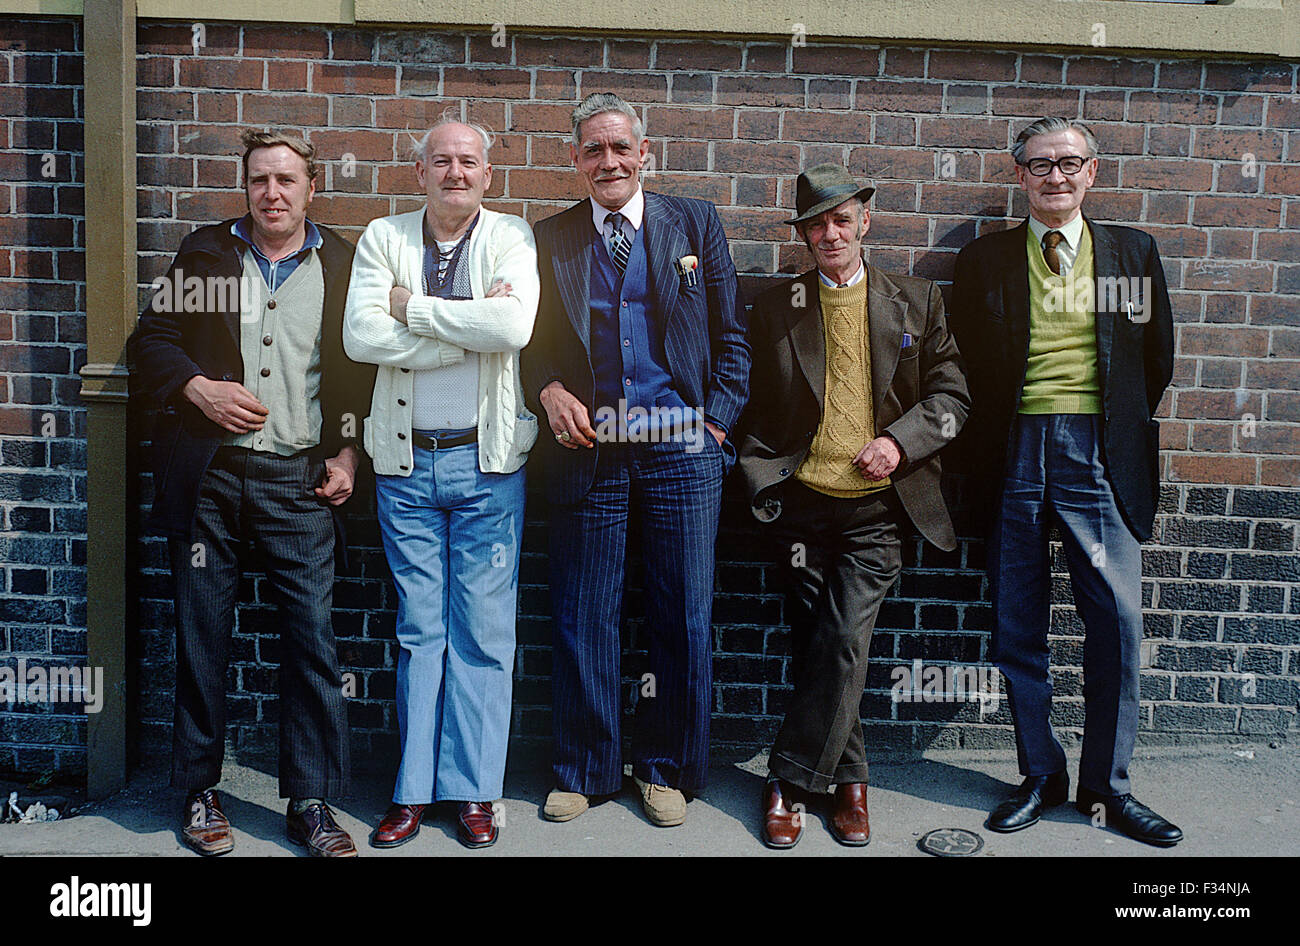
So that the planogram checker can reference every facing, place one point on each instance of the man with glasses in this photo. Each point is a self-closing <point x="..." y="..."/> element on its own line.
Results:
<point x="1066" y="330"/>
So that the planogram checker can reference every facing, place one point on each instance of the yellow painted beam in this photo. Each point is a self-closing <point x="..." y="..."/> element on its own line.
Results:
<point x="1239" y="27"/>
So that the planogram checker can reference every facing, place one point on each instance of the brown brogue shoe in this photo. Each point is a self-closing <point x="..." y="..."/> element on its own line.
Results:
<point x="317" y="830"/>
<point x="477" y="824"/>
<point x="849" y="822"/>
<point x="399" y="824"/>
<point x="782" y="818"/>
<point x="206" y="828"/>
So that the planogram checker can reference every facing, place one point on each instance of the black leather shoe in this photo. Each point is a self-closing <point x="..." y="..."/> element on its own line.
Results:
<point x="1035" y="795"/>
<point x="1125" y="813"/>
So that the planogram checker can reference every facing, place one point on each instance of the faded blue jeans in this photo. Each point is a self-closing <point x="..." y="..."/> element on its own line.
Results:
<point x="452" y="536"/>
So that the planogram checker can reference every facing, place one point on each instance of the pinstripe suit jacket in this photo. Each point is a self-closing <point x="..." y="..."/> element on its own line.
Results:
<point x="704" y="324"/>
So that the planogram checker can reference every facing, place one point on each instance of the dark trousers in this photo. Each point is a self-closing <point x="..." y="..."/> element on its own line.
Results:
<point x="840" y="557"/>
<point x="1056" y="475"/>
<point x="677" y="494"/>
<point x="268" y="501"/>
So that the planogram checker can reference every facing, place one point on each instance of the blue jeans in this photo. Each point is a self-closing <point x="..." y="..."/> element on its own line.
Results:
<point x="1055" y="474"/>
<point x="452" y="536"/>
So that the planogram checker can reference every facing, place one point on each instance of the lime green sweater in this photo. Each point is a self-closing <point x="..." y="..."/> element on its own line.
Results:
<point x="1061" y="374"/>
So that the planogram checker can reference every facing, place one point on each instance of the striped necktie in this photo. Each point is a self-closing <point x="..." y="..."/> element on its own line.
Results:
<point x="619" y="248"/>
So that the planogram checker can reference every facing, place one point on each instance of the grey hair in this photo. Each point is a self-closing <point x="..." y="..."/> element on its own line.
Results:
<point x="420" y="146"/>
<point x="1046" y="126"/>
<point x="598" y="102"/>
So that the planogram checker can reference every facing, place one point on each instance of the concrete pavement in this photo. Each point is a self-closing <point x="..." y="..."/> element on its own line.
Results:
<point x="1229" y="800"/>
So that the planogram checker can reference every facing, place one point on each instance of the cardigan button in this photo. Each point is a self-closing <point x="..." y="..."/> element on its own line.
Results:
<point x="406" y="371"/>
<point x="403" y="467"/>
<point x="401" y="402"/>
<point x="401" y="436"/>
<point x="785" y="471"/>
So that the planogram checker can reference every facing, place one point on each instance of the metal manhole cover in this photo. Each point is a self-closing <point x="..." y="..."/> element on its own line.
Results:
<point x="951" y="842"/>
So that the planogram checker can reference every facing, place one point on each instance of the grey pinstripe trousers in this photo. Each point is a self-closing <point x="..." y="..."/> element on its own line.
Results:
<point x="266" y="500"/>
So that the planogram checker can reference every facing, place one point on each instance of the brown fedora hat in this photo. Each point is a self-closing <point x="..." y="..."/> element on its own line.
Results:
<point x="825" y="186"/>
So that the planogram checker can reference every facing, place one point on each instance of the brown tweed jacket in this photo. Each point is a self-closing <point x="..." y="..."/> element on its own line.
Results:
<point x="917" y="379"/>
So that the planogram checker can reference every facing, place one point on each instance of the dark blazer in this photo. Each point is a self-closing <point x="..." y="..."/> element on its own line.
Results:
<point x="990" y="316"/>
<point x="169" y="348"/>
<point x="704" y="335"/>
<point x="913" y="389"/>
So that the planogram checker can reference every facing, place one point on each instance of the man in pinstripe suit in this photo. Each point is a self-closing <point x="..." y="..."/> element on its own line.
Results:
<point x="639" y="331"/>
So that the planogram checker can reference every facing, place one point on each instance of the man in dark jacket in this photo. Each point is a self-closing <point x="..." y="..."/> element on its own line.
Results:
<point x="1068" y="339"/>
<point x="241" y="353"/>
<point x="857" y="385"/>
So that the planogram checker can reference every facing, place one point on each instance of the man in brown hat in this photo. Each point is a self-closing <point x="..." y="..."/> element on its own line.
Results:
<point x="856" y="385"/>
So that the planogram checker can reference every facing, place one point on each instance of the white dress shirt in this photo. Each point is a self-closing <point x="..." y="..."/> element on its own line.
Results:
<point x="856" y="278"/>
<point x="633" y="213"/>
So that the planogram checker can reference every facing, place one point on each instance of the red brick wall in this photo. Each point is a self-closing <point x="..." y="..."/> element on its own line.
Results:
<point x="733" y="123"/>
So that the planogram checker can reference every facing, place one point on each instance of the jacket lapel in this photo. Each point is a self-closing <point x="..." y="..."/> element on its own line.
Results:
<point x="806" y="335"/>
<point x="232" y="319"/>
<point x="1015" y="282"/>
<point x="1105" y="263"/>
<point x="572" y="264"/>
<point x="885" y="313"/>
<point x="229" y="253"/>
<point x="664" y="244"/>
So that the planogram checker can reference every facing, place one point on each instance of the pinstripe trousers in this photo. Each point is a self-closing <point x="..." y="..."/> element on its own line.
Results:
<point x="677" y="494"/>
<point x="267" y="500"/>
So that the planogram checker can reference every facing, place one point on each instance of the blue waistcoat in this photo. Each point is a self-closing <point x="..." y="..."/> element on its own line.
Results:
<point x="627" y="336"/>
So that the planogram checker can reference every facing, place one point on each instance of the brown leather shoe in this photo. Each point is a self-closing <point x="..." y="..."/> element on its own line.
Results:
<point x="319" y="832"/>
<point x="477" y="824"/>
<point x="399" y="824"/>
<point x="849" y="822"/>
<point x="206" y="828"/>
<point x="782" y="824"/>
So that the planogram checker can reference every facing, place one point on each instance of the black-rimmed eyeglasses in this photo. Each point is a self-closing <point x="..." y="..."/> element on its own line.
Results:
<point x="1070" y="164"/>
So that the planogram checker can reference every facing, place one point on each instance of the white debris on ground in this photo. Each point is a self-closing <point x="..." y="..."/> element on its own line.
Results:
<point x="18" y="813"/>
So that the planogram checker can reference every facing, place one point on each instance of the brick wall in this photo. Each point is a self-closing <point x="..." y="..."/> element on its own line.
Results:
<point x="42" y="346"/>
<point x="1195" y="152"/>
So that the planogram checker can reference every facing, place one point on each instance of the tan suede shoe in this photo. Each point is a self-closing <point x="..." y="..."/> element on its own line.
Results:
<point x="664" y="806"/>
<point x="564" y="806"/>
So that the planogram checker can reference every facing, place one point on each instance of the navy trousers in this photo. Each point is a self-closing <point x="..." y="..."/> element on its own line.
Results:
<point x="1056" y="474"/>
<point x="677" y="494"/>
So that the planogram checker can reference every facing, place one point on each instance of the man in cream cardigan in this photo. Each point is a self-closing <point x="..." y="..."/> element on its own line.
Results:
<point x="442" y="299"/>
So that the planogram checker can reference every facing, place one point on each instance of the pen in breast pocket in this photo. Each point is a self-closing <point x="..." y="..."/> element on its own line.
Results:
<point x="907" y="340"/>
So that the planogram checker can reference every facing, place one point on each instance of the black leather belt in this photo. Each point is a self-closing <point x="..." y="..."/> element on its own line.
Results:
<point x="439" y="443"/>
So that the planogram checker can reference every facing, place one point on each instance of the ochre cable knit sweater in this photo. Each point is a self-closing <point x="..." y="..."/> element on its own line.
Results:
<point x="847" y="423"/>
